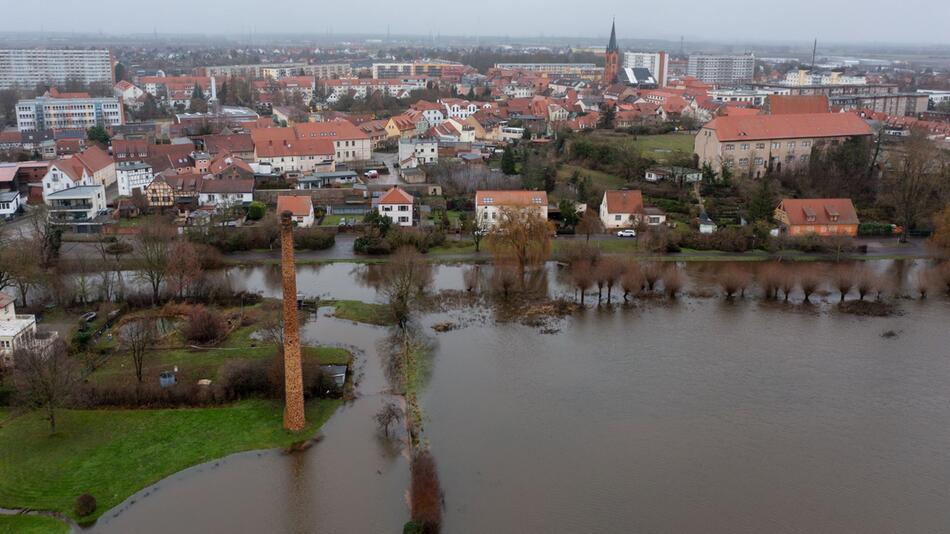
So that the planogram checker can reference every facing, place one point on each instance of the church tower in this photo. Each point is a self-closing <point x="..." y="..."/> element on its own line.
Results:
<point x="612" y="57"/>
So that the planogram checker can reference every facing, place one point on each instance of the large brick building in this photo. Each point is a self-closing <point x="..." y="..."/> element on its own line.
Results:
<point x="752" y="145"/>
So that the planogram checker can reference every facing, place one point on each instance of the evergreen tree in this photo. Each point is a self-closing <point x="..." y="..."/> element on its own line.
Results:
<point x="608" y="116"/>
<point x="763" y="202"/>
<point x="98" y="134"/>
<point x="508" y="162"/>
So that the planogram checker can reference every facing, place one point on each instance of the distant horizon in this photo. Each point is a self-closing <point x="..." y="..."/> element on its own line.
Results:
<point x="728" y="21"/>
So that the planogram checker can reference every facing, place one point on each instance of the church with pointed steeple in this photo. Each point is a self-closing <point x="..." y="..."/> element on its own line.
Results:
<point x="612" y="57"/>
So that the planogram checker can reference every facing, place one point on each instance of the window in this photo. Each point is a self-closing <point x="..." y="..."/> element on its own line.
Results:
<point x="759" y="161"/>
<point x="403" y="208"/>
<point x="488" y="200"/>
<point x="791" y="144"/>
<point x="744" y="146"/>
<point x="618" y="217"/>
<point x="776" y="144"/>
<point x="804" y="158"/>
<point x="743" y="161"/>
<point x="730" y="147"/>
<point x="760" y="146"/>
<point x="790" y="158"/>
<point x="806" y="144"/>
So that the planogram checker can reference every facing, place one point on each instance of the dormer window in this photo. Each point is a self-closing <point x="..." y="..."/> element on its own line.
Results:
<point x="488" y="200"/>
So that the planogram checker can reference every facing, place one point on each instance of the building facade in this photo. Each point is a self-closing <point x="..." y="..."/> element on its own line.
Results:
<point x="27" y="68"/>
<point x="63" y="111"/>
<point x="722" y="69"/>
<point x="658" y="63"/>
<point x="490" y="206"/>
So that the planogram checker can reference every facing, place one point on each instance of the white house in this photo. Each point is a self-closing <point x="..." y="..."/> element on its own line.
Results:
<point x="397" y="205"/>
<point x="418" y="151"/>
<point x="706" y="224"/>
<point x="655" y="174"/>
<point x="490" y="205"/>
<point x="64" y="174"/>
<point x="300" y="207"/>
<point x="621" y="209"/>
<point x="79" y="208"/>
<point x="127" y="92"/>
<point x="458" y="108"/>
<point x="225" y="194"/>
<point x="14" y="329"/>
<point x="132" y="175"/>
<point x="432" y="113"/>
<point x="9" y="203"/>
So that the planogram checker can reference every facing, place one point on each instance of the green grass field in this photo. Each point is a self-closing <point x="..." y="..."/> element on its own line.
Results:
<point x="658" y="147"/>
<point x="331" y="220"/>
<point x="111" y="454"/>
<point x="361" y="312"/>
<point x="31" y="524"/>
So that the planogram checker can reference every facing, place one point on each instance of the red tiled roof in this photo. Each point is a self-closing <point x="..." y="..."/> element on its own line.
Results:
<point x="808" y="125"/>
<point x="229" y="143"/>
<point x="396" y="196"/>
<point x="300" y="206"/>
<point x="624" y="201"/>
<point x="336" y="129"/>
<point x="94" y="158"/>
<point x="798" y="210"/>
<point x="225" y="161"/>
<point x="236" y="185"/>
<point x="795" y="104"/>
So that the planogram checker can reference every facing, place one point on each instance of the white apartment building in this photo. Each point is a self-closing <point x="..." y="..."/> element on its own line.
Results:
<point x="807" y="77"/>
<point x="132" y="175"/>
<point x="431" y="69"/>
<point x="71" y="111"/>
<point x="9" y="203"/>
<point x="418" y="151"/>
<point x="78" y="208"/>
<point x="27" y="68"/>
<point x="722" y="69"/>
<point x="64" y="174"/>
<point x="658" y="63"/>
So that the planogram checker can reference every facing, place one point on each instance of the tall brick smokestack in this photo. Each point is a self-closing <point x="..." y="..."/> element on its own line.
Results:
<point x="294" y="418"/>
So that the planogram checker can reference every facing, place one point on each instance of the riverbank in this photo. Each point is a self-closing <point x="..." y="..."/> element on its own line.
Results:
<point x="111" y="454"/>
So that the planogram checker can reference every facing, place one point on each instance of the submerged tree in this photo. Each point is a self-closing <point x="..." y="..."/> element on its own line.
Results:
<point x="522" y="238"/>
<point x="406" y="278"/>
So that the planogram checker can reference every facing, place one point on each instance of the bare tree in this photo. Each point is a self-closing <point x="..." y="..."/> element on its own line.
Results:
<point x="590" y="224"/>
<point x="809" y="282"/>
<point x="632" y="279"/>
<point x="185" y="271"/>
<point x="910" y="186"/>
<point x="844" y="280"/>
<point x="137" y="338"/>
<point x="154" y="254"/>
<point x="734" y="282"/>
<point x="24" y="267"/>
<point x="406" y="278"/>
<point x="45" y="376"/>
<point x="608" y="272"/>
<point x="387" y="416"/>
<point x="521" y="237"/>
<point x="673" y="281"/>
<point x="582" y="276"/>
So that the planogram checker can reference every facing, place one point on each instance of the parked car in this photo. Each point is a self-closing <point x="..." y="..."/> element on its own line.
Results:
<point x="88" y="317"/>
<point x="628" y="232"/>
<point x="371" y="174"/>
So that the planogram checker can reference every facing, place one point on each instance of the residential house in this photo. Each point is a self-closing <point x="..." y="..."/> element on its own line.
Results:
<point x="14" y="329"/>
<point x="128" y="93"/>
<point x="490" y="206"/>
<point x="417" y="151"/>
<point x="224" y="194"/>
<point x="752" y="145"/>
<point x="396" y="204"/>
<point x="179" y="191"/>
<point x="9" y="203"/>
<point x="405" y="126"/>
<point x="621" y="209"/>
<point x="673" y="174"/>
<point x="131" y="176"/>
<point x="224" y="166"/>
<point x="349" y="142"/>
<point x="706" y="224"/>
<point x="64" y="174"/>
<point x="287" y="153"/>
<point x="826" y="217"/>
<point x="81" y="209"/>
<point x="300" y="207"/>
<point x="433" y="113"/>
<point x="376" y="131"/>
<point x="240" y="145"/>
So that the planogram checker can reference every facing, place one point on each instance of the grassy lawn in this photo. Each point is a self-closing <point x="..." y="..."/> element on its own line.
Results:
<point x="113" y="453"/>
<point x="454" y="246"/>
<point x="660" y="147"/>
<point x="31" y="524"/>
<point x="599" y="179"/>
<point x="361" y="312"/>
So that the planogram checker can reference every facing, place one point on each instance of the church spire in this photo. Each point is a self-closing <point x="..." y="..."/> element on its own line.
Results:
<point x="612" y="46"/>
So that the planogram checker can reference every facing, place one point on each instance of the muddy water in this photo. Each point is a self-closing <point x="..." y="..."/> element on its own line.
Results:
<point x="351" y="481"/>
<point x="696" y="416"/>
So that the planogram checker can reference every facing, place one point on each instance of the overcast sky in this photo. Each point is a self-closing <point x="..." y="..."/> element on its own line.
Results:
<point x="910" y="21"/>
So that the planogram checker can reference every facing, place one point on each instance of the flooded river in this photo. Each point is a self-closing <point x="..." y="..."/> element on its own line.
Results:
<point x="699" y="415"/>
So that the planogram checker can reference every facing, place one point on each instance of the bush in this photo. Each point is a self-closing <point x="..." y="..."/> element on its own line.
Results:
<point x="149" y="395"/>
<point x="204" y="326"/>
<point x="245" y="378"/>
<point x="256" y="210"/>
<point x="374" y="246"/>
<point x="313" y="239"/>
<point x="118" y="247"/>
<point x="85" y="505"/>
<point x="875" y="229"/>
<point x="426" y="492"/>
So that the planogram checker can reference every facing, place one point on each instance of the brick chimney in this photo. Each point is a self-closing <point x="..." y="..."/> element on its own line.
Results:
<point x="294" y="418"/>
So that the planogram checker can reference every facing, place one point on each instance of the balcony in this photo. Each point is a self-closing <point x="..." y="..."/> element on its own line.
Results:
<point x="71" y="206"/>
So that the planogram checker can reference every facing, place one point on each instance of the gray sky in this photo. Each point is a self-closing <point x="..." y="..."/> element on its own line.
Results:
<point x="910" y="21"/>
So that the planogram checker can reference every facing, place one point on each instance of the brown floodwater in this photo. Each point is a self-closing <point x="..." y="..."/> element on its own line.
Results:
<point x="699" y="415"/>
